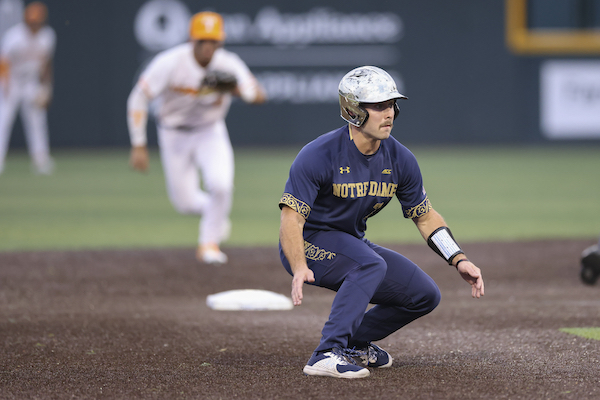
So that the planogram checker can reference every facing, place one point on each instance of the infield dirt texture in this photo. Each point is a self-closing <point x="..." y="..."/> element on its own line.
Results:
<point x="134" y="324"/>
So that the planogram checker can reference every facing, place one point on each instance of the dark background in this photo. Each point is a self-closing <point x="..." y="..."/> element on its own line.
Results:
<point x="464" y="84"/>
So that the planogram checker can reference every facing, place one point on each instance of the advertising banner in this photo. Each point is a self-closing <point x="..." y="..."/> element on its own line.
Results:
<point x="299" y="58"/>
<point x="449" y="58"/>
<point x="570" y="99"/>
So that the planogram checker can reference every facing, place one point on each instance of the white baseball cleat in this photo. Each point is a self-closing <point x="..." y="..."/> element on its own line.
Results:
<point x="45" y="167"/>
<point x="335" y="364"/>
<point x="211" y="254"/>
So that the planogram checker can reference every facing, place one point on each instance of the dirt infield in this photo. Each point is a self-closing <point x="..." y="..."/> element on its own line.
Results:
<point x="134" y="324"/>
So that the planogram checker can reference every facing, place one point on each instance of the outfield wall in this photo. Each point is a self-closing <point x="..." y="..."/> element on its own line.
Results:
<point x="449" y="57"/>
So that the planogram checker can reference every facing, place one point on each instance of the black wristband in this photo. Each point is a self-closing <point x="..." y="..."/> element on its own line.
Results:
<point x="442" y="242"/>
<point x="459" y="261"/>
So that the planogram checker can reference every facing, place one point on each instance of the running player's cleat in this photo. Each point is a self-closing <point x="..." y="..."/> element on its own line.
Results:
<point x="336" y="364"/>
<point x="374" y="356"/>
<point x="210" y="254"/>
<point x="44" y="168"/>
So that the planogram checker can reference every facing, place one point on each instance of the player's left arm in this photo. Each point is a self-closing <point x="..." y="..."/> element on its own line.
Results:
<point x="46" y="77"/>
<point x="44" y="95"/>
<point x="256" y="94"/>
<point x="435" y="231"/>
<point x="248" y="87"/>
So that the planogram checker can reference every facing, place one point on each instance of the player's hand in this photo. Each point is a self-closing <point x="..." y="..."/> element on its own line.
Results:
<point x="304" y="275"/>
<point x="139" y="159"/>
<point x="220" y="81"/>
<point x="472" y="275"/>
<point x="43" y="97"/>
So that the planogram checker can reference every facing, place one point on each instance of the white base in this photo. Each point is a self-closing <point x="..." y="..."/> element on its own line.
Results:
<point x="248" y="299"/>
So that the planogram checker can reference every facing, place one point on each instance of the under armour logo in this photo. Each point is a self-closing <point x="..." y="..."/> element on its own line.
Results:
<point x="346" y="170"/>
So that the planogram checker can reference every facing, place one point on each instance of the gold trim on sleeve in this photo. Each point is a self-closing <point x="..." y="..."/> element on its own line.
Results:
<point x="299" y="206"/>
<point x="418" y="210"/>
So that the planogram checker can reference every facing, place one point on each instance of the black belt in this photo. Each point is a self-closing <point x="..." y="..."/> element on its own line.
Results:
<point x="181" y="128"/>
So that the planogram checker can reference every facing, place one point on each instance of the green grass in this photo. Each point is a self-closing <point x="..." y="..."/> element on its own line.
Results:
<point x="94" y="200"/>
<point x="588" y="333"/>
<point x="510" y="193"/>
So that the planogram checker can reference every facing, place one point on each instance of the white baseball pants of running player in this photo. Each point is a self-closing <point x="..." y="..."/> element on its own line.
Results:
<point x="195" y="160"/>
<point x="22" y="95"/>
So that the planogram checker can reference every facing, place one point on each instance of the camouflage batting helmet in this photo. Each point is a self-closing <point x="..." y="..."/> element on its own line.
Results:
<point x="365" y="85"/>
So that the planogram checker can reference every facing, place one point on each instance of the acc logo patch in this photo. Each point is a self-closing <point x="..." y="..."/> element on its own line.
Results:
<point x="387" y="171"/>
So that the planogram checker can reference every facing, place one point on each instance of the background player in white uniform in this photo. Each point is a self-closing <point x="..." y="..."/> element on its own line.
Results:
<point x="26" y="81"/>
<point x="191" y="126"/>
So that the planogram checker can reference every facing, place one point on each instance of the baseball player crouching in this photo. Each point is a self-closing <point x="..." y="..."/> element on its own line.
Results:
<point x="195" y="82"/>
<point x="335" y="184"/>
<point x="26" y="80"/>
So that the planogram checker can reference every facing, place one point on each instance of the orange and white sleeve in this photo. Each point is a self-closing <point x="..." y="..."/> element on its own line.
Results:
<point x="137" y="113"/>
<point x="248" y="85"/>
<point x="4" y="71"/>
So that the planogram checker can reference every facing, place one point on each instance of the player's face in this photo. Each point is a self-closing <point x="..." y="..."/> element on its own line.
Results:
<point x="34" y="25"/>
<point x="35" y="16"/>
<point x="381" y="120"/>
<point x="204" y="50"/>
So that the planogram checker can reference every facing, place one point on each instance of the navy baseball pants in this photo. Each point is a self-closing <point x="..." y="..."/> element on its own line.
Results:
<point x="362" y="272"/>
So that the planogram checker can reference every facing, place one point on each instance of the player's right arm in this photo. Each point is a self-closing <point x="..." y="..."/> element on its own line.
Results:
<point x="292" y="243"/>
<point x="152" y="82"/>
<point x="5" y="66"/>
<point x="4" y="73"/>
<point x="137" y="119"/>
<point x="308" y="173"/>
<point x="248" y="88"/>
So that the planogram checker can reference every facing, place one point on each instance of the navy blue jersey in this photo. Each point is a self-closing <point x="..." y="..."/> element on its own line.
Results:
<point x="336" y="187"/>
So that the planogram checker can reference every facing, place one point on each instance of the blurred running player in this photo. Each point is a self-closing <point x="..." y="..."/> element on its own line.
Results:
<point x="195" y="82"/>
